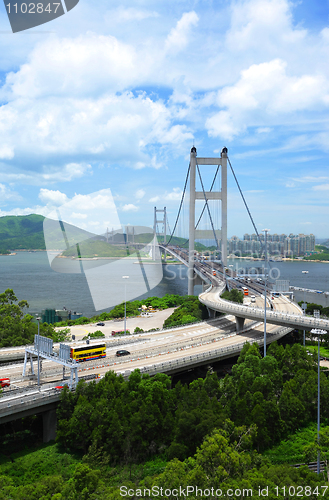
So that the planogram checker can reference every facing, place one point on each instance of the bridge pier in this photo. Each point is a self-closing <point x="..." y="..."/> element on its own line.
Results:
<point x="211" y="313"/>
<point x="239" y="323"/>
<point x="49" y="422"/>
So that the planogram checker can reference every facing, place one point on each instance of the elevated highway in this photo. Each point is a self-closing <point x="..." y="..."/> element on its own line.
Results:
<point x="168" y="351"/>
<point x="284" y="312"/>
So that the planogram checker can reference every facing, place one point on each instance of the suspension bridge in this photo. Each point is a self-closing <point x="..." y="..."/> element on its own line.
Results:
<point x="213" y="228"/>
<point x="190" y="346"/>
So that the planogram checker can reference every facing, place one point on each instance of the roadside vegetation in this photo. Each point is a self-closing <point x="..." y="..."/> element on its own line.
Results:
<point x="16" y="325"/>
<point x="191" y="311"/>
<point x="233" y="295"/>
<point x="238" y="432"/>
<point x="133" y="308"/>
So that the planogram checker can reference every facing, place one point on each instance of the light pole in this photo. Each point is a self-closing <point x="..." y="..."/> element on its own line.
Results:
<point x="125" y="278"/>
<point x="318" y="333"/>
<point x="38" y="320"/>
<point x="304" y="309"/>
<point x="265" y="231"/>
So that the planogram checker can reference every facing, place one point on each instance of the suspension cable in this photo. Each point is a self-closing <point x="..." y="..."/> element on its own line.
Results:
<point x="181" y="204"/>
<point x="245" y="203"/>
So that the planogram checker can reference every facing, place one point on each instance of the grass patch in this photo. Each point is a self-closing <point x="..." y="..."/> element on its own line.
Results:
<point x="324" y="351"/>
<point x="29" y="466"/>
<point x="291" y="450"/>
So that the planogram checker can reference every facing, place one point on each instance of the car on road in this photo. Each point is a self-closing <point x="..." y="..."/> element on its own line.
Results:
<point x="100" y="324"/>
<point x="122" y="352"/>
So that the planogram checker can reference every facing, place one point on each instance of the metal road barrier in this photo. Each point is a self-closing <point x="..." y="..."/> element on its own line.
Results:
<point x="276" y="317"/>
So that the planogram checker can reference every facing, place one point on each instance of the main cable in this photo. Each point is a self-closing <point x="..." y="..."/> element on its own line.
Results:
<point x="181" y="204"/>
<point x="246" y="205"/>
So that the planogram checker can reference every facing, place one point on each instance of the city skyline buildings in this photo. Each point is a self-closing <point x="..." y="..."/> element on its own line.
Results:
<point x="278" y="244"/>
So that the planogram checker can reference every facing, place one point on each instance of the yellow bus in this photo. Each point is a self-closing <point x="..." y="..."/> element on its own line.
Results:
<point x="88" y="352"/>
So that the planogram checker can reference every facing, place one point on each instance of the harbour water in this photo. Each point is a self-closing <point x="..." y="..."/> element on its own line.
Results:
<point x="32" y="278"/>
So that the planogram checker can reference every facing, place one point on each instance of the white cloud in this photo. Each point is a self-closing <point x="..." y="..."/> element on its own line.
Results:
<point x="174" y="195"/>
<point x="178" y="37"/>
<point x="265" y="92"/>
<point x="79" y="216"/>
<point x="72" y="66"/>
<point x="262" y="25"/>
<point x="140" y="193"/>
<point x="321" y="187"/>
<point x="6" y="152"/>
<point x="52" y="197"/>
<point x="7" y="195"/>
<point x="130" y="208"/>
<point x="121" y="15"/>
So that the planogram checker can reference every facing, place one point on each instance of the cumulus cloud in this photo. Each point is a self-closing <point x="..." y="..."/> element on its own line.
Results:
<point x="129" y="207"/>
<point x="265" y="92"/>
<point x="52" y="197"/>
<point x="178" y="37"/>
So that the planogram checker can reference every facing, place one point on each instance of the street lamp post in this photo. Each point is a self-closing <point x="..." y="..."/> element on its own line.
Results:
<point x="304" y="309"/>
<point x="318" y="333"/>
<point x="125" y="327"/>
<point x="265" y="231"/>
<point x="38" y="320"/>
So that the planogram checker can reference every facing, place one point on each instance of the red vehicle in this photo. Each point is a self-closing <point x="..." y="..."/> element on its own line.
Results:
<point x="5" y="382"/>
<point x="119" y="332"/>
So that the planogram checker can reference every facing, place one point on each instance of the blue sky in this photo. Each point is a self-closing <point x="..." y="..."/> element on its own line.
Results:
<point x="114" y="96"/>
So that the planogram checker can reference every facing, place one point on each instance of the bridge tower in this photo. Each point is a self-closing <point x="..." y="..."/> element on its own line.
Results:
<point x="205" y="196"/>
<point x="160" y="221"/>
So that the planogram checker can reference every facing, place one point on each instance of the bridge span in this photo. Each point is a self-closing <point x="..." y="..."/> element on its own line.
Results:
<point x="284" y="313"/>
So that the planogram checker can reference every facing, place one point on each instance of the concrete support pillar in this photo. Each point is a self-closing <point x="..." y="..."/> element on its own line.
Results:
<point x="211" y="312"/>
<point x="191" y="233"/>
<point x="165" y="231"/>
<point x="154" y="232"/>
<point x="198" y="280"/>
<point x="239" y="323"/>
<point x="49" y="421"/>
<point x="224" y="206"/>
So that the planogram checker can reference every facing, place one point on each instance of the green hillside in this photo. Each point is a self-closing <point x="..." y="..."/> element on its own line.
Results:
<point x="92" y="248"/>
<point x="21" y="232"/>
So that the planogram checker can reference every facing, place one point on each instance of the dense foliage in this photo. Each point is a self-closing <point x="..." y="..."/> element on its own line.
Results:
<point x="223" y="461"/>
<point x="17" y="328"/>
<point x="190" y="311"/>
<point x="311" y="307"/>
<point x="233" y="295"/>
<point x="142" y="433"/>
<point x="133" y="420"/>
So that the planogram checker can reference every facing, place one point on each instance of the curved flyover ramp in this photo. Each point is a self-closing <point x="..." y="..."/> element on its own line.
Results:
<point x="292" y="316"/>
